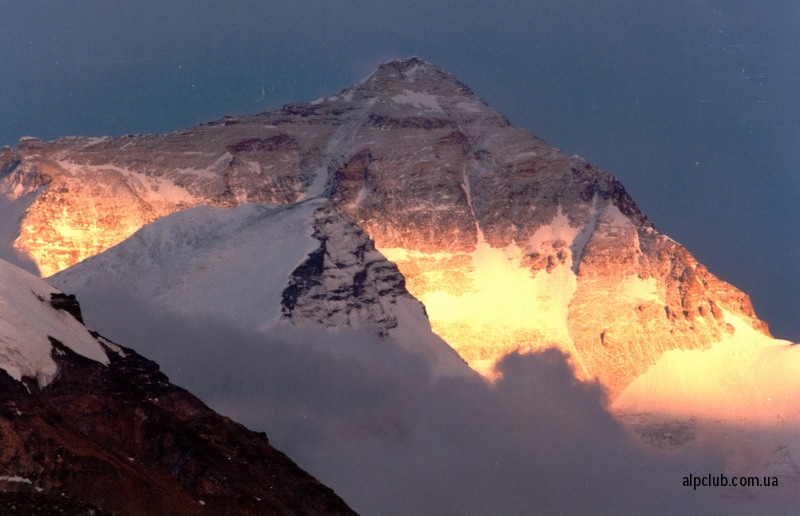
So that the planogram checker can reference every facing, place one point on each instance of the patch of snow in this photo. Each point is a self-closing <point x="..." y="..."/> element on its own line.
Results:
<point x="411" y="72"/>
<point x="200" y="173"/>
<point x="335" y="149"/>
<point x="20" y="480"/>
<point x="559" y="228"/>
<point x="634" y="287"/>
<point x="499" y="306"/>
<point x="746" y="375"/>
<point x="524" y="155"/>
<point x="614" y="218"/>
<point x="27" y="320"/>
<point x="113" y="347"/>
<point x="318" y="184"/>
<point x="582" y="238"/>
<point x="418" y="99"/>
<point x="470" y="107"/>
<point x="155" y="189"/>
<point x="89" y="141"/>
<point x="166" y="189"/>
<point x="222" y="163"/>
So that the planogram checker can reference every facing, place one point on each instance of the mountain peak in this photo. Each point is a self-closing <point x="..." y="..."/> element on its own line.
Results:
<point x="409" y="67"/>
<point x="446" y="189"/>
<point x="415" y="74"/>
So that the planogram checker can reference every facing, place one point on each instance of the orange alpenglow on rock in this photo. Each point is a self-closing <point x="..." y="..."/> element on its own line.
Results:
<point x="511" y="245"/>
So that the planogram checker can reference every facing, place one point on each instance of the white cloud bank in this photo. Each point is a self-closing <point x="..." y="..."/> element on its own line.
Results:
<point x="365" y="417"/>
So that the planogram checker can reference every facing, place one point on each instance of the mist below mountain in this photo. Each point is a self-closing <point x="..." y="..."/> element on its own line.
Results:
<point x="369" y="419"/>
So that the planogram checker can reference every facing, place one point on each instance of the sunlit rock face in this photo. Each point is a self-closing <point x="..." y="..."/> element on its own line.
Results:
<point x="510" y="243"/>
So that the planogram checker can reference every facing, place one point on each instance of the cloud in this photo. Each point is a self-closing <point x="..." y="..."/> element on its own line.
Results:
<point x="368" y="419"/>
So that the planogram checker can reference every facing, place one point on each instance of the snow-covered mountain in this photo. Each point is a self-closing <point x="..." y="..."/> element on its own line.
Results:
<point x="324" y="218"/>
<point x="92" y="421"/>
<point x="509" y="243"/>
<point x="258" y="266"/>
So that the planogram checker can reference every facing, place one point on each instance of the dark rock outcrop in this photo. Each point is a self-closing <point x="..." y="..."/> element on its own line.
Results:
<point x="68" y="303"/>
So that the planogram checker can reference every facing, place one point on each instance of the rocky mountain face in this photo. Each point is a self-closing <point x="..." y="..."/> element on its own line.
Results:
<point x="88" y="425"/>
<point x="509" y="243"/>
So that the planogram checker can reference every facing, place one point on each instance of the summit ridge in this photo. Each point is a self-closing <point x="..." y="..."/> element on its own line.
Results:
<point x="413" y="73"/>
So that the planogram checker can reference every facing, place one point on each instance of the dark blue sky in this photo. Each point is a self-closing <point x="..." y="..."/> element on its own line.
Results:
<point x="693" y="104"/>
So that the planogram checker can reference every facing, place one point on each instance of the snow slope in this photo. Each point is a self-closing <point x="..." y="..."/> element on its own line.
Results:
<point x="741" y="397"/>
<point x="191" y="260"/>
<point x="745" y="376"/>
<point x="259" y="266"/>
<point x="28" y="320"/>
